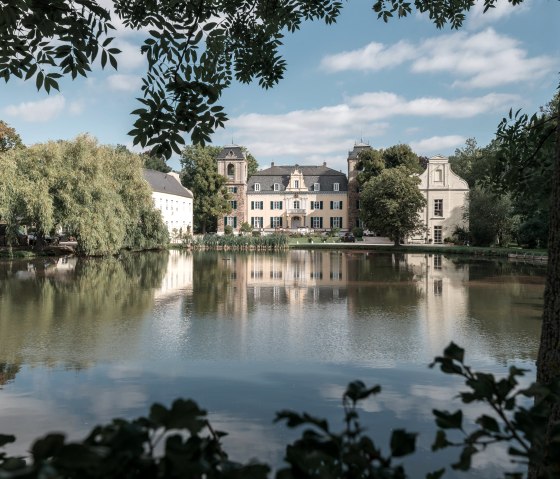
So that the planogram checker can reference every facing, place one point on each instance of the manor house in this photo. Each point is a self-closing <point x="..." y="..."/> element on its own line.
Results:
<point x="298" y="197"/>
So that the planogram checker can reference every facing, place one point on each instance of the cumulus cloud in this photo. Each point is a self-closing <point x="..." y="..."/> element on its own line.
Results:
<point x="37" y="111"/>
<point x="437" y="144"/>
<point x="482" y="60"/>
<point x="120" y="82"/>
<point x="315" y="134"/>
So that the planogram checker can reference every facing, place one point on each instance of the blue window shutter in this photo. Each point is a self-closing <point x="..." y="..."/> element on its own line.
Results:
<point x="332" y="207"/>
<point x="252" y="222"/>
<point x="340" y="221"/>
<point x="252" y="205"/>
<point x="320" y="205"/>
<point x="272" y="205"/>
<point x="280" y="222"/>
<point x="340" y="204"/>
<point x="281" y="205"/>
<point x="331" y="220"/>
<point x="321" y="221"/>
<point x="235" y="221"/>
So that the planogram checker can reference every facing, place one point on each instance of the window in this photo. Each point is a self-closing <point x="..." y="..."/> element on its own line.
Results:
<point x="317" y="205"/>
<point x="336" y="205"/>
<point x="437" y="261"/>
<point x="275" y="274"/>
<point x="438" y="234"/>
<point x="230" y="221"/>
<point x="438" y="176"/>
<point x="276" y="222"/>
<point x="438" y="287"/>
<point x="316" y="222"/>
<point x="276" y="205"/>
<point x="296" y="204"/>
<point x="231" y="171"/>
<point x="336" y="222"/>
<point x="316" y="275"/>
<point x="256" y="221"/>
<point x="316" y="187"/>
<point x="232" y="189"/>
<point x="257" y="205"/>
<point x="233" y="204"/>
<point x="257" y="187"/>
<point x="296" y="183"/>
<point x="336" y="187"/>
<point x="276" y="186"/>
<point x="438" y="207"/>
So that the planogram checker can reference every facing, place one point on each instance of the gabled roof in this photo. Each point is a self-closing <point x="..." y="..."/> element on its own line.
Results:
<point x="166" y="183"/>
<point x="323" y="175"/>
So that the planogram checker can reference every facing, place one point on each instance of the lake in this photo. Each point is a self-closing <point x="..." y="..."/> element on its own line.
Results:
<point x="248" y="334"/>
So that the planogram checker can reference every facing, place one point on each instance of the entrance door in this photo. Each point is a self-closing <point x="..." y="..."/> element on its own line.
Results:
<point x="438" y="234"/>
<point x="296" y="222"/>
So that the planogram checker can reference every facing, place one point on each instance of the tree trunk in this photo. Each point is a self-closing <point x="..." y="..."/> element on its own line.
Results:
<point x="548" y="361"/>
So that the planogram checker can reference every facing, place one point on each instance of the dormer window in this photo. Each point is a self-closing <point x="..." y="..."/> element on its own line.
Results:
<point x="336" y="187"/>
<point x="257" y="187"/>
<point x="296" y="183"/>
<point x="276" y="186"/>
<point x="316" y="187"/>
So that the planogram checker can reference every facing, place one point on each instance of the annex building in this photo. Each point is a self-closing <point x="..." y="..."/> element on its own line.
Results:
<point x="300" y="198"/>
<point x="173" y="200"/>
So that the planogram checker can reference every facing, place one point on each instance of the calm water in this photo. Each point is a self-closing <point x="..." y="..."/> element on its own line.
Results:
<point x="246" y="335"/>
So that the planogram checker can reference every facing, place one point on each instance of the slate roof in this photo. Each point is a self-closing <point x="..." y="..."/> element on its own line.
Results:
<point x="323" y="175"/>
<point x="233" y="152"/>
<point x="358" y="148"/>
<point x="165" y="183"/>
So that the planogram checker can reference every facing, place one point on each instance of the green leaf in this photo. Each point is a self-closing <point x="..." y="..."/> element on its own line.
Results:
<point x="454" y="352"/>
<point x="464" y="463"/>
<point x="436" y="474"/>
<point x="440" y="441"/>
<point x="489" y="423"/>
<point x="6" y="439"/>
<point x="47" y="447"/>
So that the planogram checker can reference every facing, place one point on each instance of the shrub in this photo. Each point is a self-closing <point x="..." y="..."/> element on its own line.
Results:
<point x="228" y="230"/>
<point x="358" y="232"/>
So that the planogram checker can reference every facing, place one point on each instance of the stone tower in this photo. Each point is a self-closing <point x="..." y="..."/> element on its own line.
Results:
<point x="353" y="186"/>
<point x="232" y="164"/>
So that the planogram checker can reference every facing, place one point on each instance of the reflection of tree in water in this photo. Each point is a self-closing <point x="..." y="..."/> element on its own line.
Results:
<point x="71" y="318"/>
<point x="8" y="372"/>
<point x="381" y="281"/>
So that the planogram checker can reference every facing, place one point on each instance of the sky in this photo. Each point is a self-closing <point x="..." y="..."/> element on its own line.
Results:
<point x="360" y="80"/>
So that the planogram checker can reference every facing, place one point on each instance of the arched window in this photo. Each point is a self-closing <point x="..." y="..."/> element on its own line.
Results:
<point x="231" y="171"/>
<point x="438" y="175"/>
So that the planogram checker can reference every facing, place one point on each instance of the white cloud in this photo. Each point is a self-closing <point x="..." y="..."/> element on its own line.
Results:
<point x="120" y="82"/>
<point x="130" y="57"/>
<point x="502" y="9"/>
<point x="437" y="144"/>
<point x="315" y="135"/>
<point x="374" y="56"/>
<point x="37" y="111"/>
<point x="482" y="60"/>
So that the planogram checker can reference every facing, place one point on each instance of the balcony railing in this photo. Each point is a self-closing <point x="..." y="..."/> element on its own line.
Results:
<point x="296" y="211"/>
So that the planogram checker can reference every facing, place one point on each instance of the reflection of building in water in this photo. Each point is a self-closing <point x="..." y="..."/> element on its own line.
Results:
<point x="178" y="276"/>
<point x="444" y="298"/>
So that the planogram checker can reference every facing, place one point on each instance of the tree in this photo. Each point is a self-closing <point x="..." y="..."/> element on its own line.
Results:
<point x="153" y="162"/>
<point x="490" y="217"/>
<point x="9" y="138"/>
<point x="370" y="164"/>
<point x="194" y="51"/>
<point x="252" y="164"/>
<point x="200" y="175"/>
<point x="391" y="202"/>
<point x="471" y="163"/>
<point x="97" y="193"/>
<point x="401" y="155"/>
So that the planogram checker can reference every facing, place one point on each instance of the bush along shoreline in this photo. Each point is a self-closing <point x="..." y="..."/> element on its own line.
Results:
<point x="179" y="441"/>
<point x="213" y="242"/>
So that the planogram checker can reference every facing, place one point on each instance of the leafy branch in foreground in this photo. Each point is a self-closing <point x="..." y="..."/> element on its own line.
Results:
<point x="180" y="442"/>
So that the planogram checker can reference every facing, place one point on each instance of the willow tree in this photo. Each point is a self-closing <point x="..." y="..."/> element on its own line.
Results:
<point x="96" y="193"/>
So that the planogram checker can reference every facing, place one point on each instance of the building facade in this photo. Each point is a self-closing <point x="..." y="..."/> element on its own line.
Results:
<point x="320" y="198"/>
<point x="173" y="200"/>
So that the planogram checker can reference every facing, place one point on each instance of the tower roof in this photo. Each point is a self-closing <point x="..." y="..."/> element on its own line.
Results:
<point x="231" y="152"/>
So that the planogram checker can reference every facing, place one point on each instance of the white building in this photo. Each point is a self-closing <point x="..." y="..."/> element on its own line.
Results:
<point x="173" y="200"/>
<point x="446" y="197"/>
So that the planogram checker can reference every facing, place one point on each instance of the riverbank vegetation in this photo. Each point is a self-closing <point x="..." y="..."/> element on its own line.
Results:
<point x="274" y="242"/>
<point x="94" y="193"/>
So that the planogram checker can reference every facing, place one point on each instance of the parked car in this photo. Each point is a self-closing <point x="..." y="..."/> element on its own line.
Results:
<point x="348" y="238"/>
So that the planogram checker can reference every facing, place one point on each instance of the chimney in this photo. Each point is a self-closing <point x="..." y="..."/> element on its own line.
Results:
<point x="271" y="164"/>
<point x="324" y="163"/>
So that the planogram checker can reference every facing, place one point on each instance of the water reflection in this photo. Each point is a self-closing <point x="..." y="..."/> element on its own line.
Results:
<point x="247" y="334"/>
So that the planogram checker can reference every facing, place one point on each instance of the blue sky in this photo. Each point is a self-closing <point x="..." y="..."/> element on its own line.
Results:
<point x="360" y="79"/>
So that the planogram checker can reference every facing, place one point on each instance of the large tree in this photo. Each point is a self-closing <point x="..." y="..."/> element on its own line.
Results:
<point x="96" y="193"/>
<point x="9" y="137"/>
<point x="391" y="203"/>
<point x="200" y="175"/>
